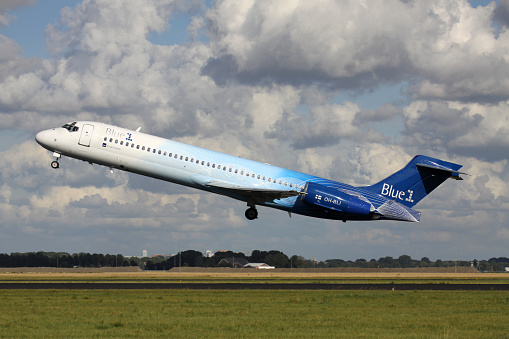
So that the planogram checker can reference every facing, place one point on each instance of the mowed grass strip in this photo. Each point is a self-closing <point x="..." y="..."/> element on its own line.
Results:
<point x="258" y="277"/>
<point x="252" y="314"/>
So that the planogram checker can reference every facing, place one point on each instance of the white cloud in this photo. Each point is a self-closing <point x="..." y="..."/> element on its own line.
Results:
<point x="263" y="88"/>
<point x="353" y="44"/>
<point x="472" y="129"/>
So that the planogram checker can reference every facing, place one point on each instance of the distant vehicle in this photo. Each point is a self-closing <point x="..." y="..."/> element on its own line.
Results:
<point x="252" y="182"/>
<point x="260" y="266"/>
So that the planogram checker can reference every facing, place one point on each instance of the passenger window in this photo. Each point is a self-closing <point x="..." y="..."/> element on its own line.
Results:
<point x="148" y="149"/>
<point x="270" y="180"/>
<point x="105" y="139"/>
<point x="236" y="171"/>
<point x="208" y="164"/>
<point x="132" y="145"/>
<point x="154" y="151"/>
<point x="241" y="172"/>
<point x="160" y="152"/>
<point x="181" y="157"/>
<point x="176" y="156"/>
<point x="170" y="155"/>
<point x="122" y="142"/>
<point x="127" y="143"/>
<point x="254" y="176"/>
<point x="263" y="178"/>
<point x="213" y="165"/>
<point x="137" y="146"/>
<point x="291" y="185"/>
<point x="116" y="141"/>
<point x="280" y="182"/>
<point x="247" y="174"/>
<point x="164" y="153"/>
<point x="230" y="169"/>
<point x="286" y="183"/>
<point x="187" y="158"/>
<point x="203" y="163"/>
<point x="197" y="161"/>
<point x="143" y="148"/>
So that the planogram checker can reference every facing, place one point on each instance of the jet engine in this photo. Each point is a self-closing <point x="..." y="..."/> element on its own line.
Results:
<point x="335" y="200"/>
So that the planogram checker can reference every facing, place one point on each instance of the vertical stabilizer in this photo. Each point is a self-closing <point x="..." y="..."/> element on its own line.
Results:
<point x="416" y="180"/>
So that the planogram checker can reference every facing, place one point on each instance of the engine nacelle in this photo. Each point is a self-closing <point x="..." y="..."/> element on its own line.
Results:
<point x="335" y="200"/>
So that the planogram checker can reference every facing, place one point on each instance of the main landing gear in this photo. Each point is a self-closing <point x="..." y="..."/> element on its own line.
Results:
<point x="55" y="164"/>
<point x="251" y="213"/>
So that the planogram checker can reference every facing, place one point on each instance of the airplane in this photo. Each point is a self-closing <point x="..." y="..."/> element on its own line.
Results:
<point x="255" y="183"/>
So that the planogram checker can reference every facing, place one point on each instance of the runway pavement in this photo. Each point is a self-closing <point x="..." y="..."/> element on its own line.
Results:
<point x="252" y="286"/>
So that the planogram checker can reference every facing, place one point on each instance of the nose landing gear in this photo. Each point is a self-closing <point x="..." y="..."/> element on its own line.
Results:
<point x="55" y="164"/>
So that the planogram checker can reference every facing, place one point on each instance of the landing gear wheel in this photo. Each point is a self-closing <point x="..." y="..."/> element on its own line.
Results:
<point x="251" y="213"/>
<point x="55" y="164"/>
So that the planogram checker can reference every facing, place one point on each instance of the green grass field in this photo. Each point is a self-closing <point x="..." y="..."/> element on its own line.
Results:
<point x="252" y="314"/>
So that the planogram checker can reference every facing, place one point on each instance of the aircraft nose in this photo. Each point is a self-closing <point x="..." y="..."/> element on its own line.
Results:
<point x="44" y="138"/>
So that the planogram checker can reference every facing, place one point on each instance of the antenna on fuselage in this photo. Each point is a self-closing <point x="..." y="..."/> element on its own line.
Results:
<point x="138" y="129"/>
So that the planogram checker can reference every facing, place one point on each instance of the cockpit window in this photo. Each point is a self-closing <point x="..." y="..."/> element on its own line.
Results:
<point x="71" y="127"/>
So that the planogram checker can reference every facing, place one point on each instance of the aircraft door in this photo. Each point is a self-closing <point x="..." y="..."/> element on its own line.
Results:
<point x="86" y="135"/>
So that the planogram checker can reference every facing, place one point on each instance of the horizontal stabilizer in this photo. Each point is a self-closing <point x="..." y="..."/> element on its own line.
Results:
<point x="454" y="174"/>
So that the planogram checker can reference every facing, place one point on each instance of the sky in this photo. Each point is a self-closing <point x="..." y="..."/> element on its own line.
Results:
<point x="347" y="90"/>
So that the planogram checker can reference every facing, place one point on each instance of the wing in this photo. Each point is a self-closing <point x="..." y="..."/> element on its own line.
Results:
<point x="257" y="194"/>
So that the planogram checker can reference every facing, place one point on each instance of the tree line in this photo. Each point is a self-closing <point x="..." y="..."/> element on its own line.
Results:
<point x="62" y="259"/>
<point x="192" y="258"/>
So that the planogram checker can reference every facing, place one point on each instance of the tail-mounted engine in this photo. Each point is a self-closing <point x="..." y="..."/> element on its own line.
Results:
<point x="335" y="200"/>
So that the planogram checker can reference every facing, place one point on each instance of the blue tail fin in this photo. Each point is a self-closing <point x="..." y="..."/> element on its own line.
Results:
<point x="416" y="180"/>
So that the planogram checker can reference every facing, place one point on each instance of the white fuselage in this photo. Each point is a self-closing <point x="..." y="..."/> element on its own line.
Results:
<point x="250" y="181"/>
